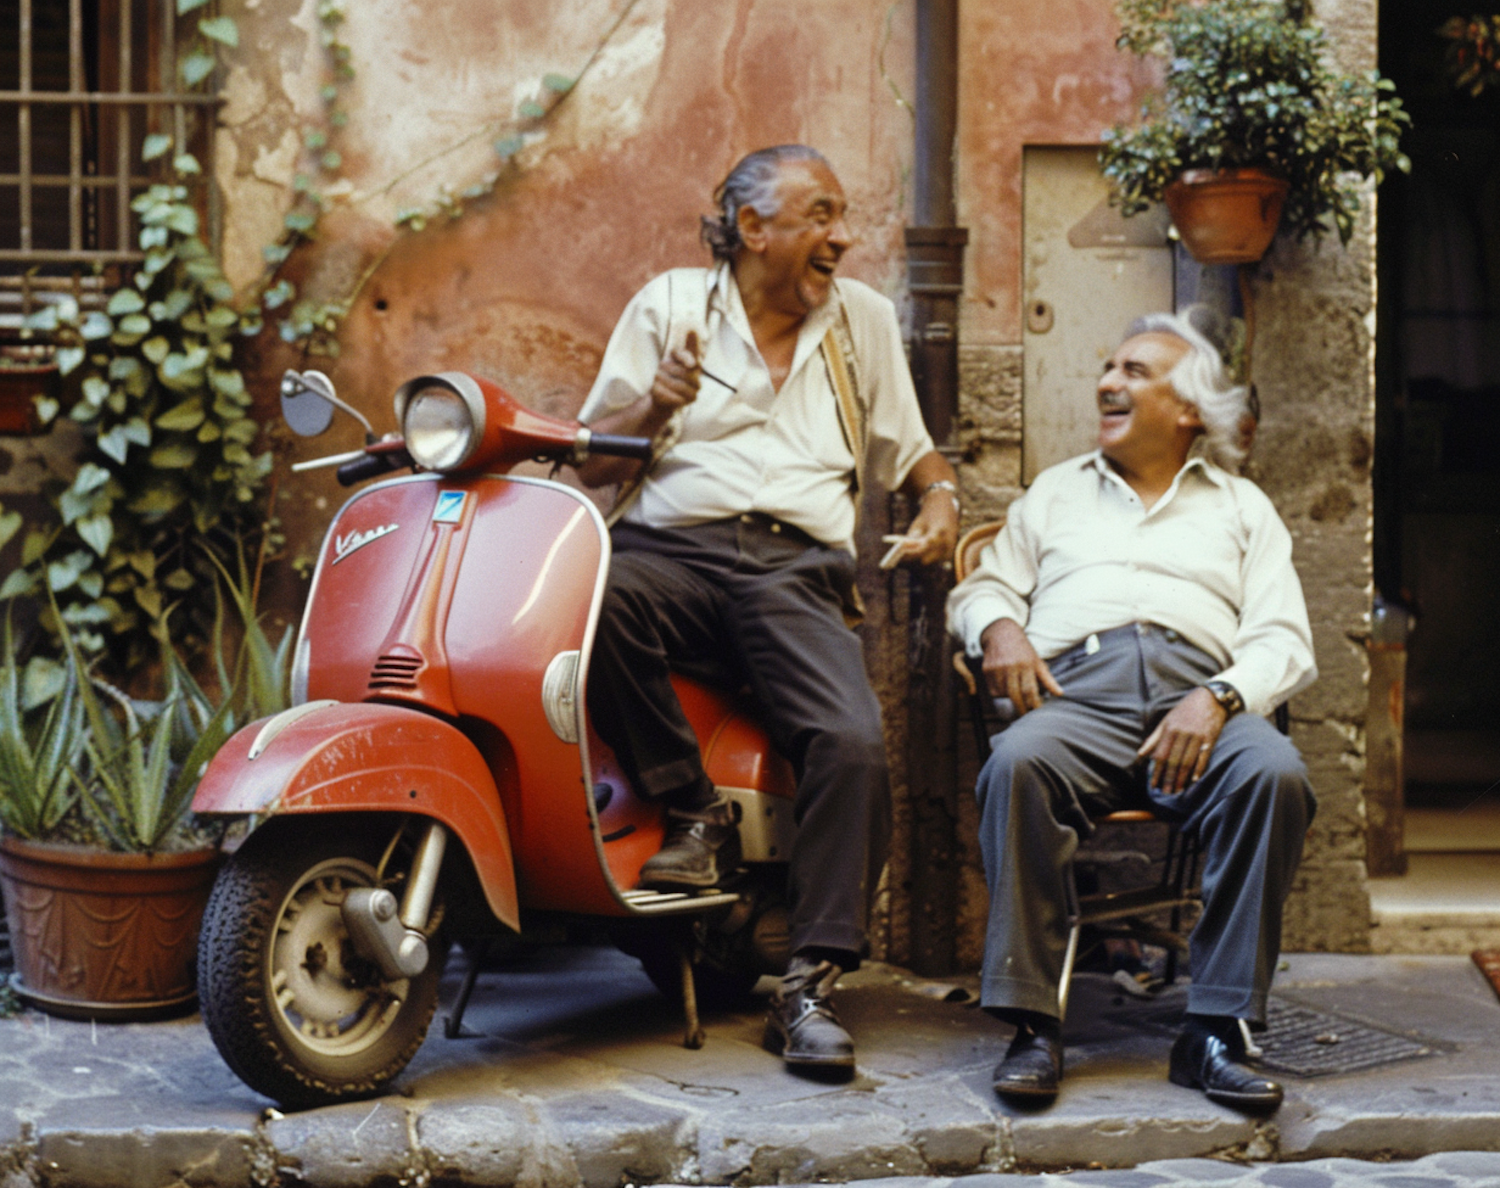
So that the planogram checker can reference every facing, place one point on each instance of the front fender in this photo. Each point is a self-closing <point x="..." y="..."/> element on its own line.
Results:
<point x="365" y="757"/>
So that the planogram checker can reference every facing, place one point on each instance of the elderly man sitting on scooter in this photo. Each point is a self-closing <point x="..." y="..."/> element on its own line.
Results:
<point x="774" y="393"/>
<point x="1141" y="613"/>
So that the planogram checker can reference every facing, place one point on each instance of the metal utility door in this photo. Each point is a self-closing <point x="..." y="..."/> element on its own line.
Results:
<point x="1087" y="274"/>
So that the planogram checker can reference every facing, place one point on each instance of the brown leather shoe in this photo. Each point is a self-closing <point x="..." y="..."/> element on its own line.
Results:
<point x="802" y="1027"/>
<point x="702" y="847"/>
<point x="1033" y="1066"/>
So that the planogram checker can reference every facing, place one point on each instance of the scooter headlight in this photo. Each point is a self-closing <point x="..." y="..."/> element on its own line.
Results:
<point x="442" y="420"/>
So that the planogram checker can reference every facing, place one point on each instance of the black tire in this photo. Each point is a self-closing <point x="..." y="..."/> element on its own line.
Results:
<point x="292" y="1009"/>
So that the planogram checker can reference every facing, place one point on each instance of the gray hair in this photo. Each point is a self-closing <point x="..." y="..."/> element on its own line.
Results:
<point x="1201" y="379"/>
<point x="755" y="182"/>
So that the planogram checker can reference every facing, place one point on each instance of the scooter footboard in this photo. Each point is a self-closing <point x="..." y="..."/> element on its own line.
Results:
<point x="359" y="757"/>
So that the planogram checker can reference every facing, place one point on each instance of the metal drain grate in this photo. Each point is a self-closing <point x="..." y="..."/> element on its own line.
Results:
<point x="1298" y="1041"/>
<point x="1309" y="1043"/>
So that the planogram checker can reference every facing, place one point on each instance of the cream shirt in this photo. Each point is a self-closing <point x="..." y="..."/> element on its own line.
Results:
<point x="753" y="448"/>
<point x="1080" y="553"/>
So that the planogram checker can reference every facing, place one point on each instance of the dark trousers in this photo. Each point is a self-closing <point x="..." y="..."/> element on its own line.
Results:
<point x="1052" y="770"/>
<point x="763" y="608"/>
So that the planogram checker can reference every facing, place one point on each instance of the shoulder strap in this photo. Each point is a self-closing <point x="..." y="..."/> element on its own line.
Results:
<point x="686" y="310"/>
<point x="840" y="359"/>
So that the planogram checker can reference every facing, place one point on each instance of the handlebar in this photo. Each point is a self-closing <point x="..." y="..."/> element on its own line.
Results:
<point x="372" y="465"/>
<point x="616" y="445"/>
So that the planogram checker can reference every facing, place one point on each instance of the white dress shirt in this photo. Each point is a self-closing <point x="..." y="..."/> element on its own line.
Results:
<point x="754" y="449"/>
<point x="1080" y="553"/>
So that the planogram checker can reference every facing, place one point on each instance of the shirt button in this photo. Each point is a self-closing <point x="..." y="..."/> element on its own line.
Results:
<point x="1171" y="636"/>
<point x="746" y="518"/>
<point x="775" y="526"/>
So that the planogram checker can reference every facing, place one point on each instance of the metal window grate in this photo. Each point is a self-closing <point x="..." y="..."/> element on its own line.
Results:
<point x="82" y="84"/>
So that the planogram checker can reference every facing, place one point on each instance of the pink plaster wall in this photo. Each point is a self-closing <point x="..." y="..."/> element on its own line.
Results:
<point x="1043" y="72"/>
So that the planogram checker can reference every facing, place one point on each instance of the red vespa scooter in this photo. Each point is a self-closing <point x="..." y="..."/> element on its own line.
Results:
<point x="437" y="778"/>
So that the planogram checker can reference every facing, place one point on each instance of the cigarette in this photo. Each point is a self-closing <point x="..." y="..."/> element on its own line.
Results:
<point x="893" y="554"/>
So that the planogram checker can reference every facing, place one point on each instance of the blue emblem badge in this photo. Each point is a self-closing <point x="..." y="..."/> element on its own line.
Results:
<point x="450" y="507"/>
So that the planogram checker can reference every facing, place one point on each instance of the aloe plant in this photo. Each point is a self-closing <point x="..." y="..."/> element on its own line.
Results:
<point x="139" y="784"/>
<point x="260" y="679"/>
<point x="41" y="742"/>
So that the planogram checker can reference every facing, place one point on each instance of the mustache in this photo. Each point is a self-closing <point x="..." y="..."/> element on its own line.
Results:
<point x="1115" y="404"/>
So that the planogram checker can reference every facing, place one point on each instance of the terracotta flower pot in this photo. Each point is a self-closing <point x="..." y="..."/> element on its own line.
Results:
<point x="103" y="935"/>
<point x="1227" y="216"/>
<point x="18" y="387"/>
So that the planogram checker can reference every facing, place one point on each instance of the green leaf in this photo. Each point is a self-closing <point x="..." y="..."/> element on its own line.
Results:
<point x="90" y="477"/>
<point x="149" y="600"/>
<point x="155" y="145"/>
<point x="46" y="409"/>
<point x="63" y="574"/>
<point x="96" y="326"/>
<point x="187" y="415"/>
<point x="186" y="6"/>
<point x="173" y="455"/>
<point x="179" y="579"/>
<point x="183" y="220"/>
<point x="196" y="67"/>
<point x="331" y="160"/>
<point x="227" y="383"/>
<point x="10" y="524"/>
<point x="156" y="349"/>
<point x="69" y="358"/>
<point x="186" y="163"/>
<point x="508" y="147"/>
<point x="560" y="83"/>
<point x="299" y="221"/>
<point x="18" y="583"/>
<point x="115" y="443"/>
<point x="125" y="301"/>
<point x="157" y="499"/>
<point x="96" y="531"/>
<point x="531" y="110"/>
<point x="221" y="29"/>
<point x="95" y="390"/>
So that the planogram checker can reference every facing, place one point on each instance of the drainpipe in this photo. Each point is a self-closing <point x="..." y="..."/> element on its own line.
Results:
<point x="935" y="280"/>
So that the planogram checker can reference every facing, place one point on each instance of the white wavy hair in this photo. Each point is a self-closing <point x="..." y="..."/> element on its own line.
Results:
<point x="1200" y="379"/>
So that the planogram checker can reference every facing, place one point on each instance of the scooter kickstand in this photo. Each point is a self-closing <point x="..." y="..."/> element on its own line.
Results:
<point x="453" y="1026"/>
<point x="694" y="1037"/>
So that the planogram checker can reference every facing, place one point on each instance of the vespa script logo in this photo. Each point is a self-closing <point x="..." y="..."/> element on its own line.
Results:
<point x="344" y="545"/>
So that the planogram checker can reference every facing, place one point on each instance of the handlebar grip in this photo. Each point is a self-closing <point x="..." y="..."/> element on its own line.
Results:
<point x="618" y="446"/>
<point x="372" y="466"/>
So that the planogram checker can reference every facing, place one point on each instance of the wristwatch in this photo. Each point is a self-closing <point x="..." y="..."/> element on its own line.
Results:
<point x="1227" y="696"/>
<point x="944" y="485"/>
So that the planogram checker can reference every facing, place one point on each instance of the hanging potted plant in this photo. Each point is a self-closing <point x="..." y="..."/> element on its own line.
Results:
<point x="1252" y="128"/>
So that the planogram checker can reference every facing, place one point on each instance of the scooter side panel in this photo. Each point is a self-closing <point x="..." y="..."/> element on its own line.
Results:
<point x="371" y="758"/>
<point x="532" y="565"/>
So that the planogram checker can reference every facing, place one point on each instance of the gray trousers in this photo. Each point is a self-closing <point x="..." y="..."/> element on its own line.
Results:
<point x="734" y="600"/>
<point x="1052" y="770"/>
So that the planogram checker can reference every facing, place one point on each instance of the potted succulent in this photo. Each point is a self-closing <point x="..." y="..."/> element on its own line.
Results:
<point x="1250" y="110"/>
<point x="104" y="870"/>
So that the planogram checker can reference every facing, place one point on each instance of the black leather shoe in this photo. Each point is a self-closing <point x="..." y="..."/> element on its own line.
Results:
<point x="1201" y="1060"/>
<point x="1033" y="1066"/>
<point x="701" y="848"/>
<point x="802" y="1027"/>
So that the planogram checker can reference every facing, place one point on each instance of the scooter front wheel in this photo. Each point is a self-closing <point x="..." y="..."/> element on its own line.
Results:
<point x="293" y="1009"/>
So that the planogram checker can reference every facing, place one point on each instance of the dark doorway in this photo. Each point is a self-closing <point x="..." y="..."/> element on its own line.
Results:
<point x="1437" y="512"/>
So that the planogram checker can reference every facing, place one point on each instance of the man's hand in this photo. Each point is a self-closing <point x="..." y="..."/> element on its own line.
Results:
<point x="1013" y="669"/>
<point x="677" y="379"/>
<point x="1182" y="742"/>
<point x="932" y="534"/>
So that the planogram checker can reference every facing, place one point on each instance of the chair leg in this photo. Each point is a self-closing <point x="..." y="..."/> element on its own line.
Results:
<point x="1070" y="955"/>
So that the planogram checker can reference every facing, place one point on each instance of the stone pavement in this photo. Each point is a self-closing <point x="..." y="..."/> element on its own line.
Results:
<point x="573" y="1073"/>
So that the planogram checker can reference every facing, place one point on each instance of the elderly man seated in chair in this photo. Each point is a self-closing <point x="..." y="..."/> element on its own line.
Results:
<point x="1141" y="613"/>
